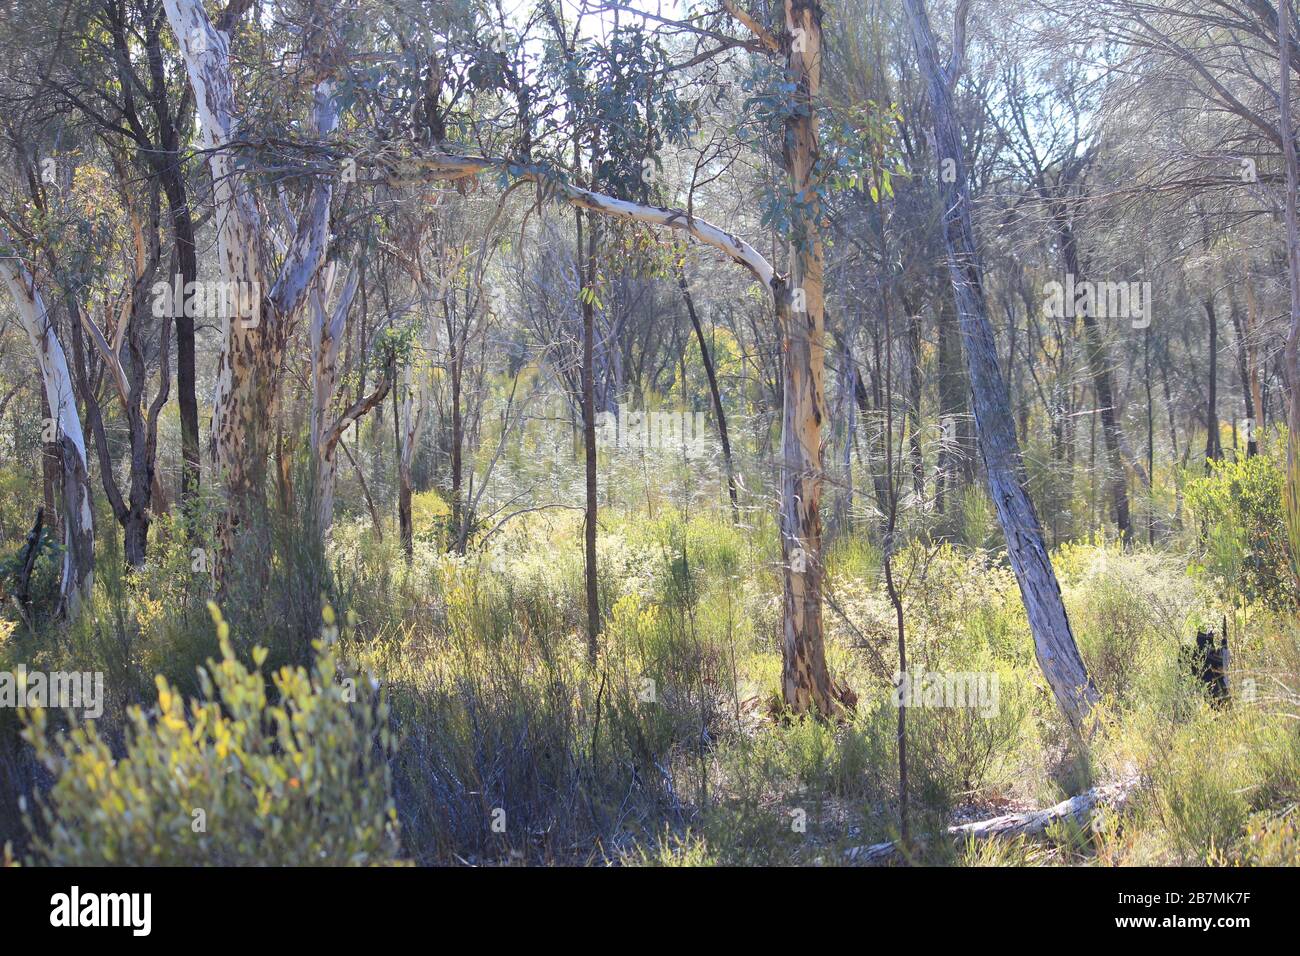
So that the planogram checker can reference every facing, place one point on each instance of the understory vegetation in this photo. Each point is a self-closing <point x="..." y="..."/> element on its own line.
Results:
<point x="445" y="712"/>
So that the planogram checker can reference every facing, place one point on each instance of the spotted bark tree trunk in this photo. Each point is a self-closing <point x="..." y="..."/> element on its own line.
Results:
<point x="254" y="332"/>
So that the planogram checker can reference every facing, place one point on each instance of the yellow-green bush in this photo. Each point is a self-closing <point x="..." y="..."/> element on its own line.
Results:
<point x="1243" y="543"/>
<point x="1271" y="841"/>
<point x="229" y="779"/>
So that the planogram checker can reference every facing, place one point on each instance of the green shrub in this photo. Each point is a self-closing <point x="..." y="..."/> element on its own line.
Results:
<point x="43" y="585"/>
<point x="966" y="749"/>
<point x="979" y="519"/>
<point x="1243" y="543"/>
<point x="226" y="780"/>
<point x="1128" y="611"/>
<point x="1271" y="841"/>
<point x="1200" y="788"/>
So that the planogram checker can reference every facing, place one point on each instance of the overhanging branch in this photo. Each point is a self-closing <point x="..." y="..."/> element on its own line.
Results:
<point x="443" y="166"/>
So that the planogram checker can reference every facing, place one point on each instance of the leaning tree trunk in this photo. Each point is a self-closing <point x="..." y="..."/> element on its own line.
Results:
<point x="78" y="517"/>
<point x="1053" y="640"/>
<point x="711" y="374"/>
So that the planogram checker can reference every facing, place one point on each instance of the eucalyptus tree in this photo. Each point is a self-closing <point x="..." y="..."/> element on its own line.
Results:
<point x="1238" y="69"/>
<point x="456" y="91"/>
<point x="92" y="233"/>
<point x="1054" y="644"/>
<point x="255" y="333"/>
<point x="807" y="686"/>
<point x="34" y="227"/>
<point x="111" y="66"/>
<point x="78" y="516"/>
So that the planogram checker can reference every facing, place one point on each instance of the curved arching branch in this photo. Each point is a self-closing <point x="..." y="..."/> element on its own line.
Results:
<point x="444" y="166"/>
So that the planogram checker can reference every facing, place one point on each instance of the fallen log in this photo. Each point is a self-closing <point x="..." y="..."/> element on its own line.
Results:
<point x="1033" y="823"/>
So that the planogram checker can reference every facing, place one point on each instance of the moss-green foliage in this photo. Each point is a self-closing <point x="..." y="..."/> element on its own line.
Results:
<point x="234" y="778"/>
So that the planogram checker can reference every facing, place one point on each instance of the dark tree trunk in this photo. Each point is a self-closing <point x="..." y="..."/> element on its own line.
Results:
<point x="1102" y="385"/>
<point x="135" y="521"/>
<point x="1213" y="447"/>
<point x="171" y="176"/>
<point x="587" y="269"/>
<point x="186" y="398"/>
<point x="714" y="392"/>
<point x="27" y="562"/>
<point x="132" y="512"/>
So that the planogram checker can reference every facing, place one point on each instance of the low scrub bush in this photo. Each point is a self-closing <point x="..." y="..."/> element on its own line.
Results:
<point x="229" y="779"/>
